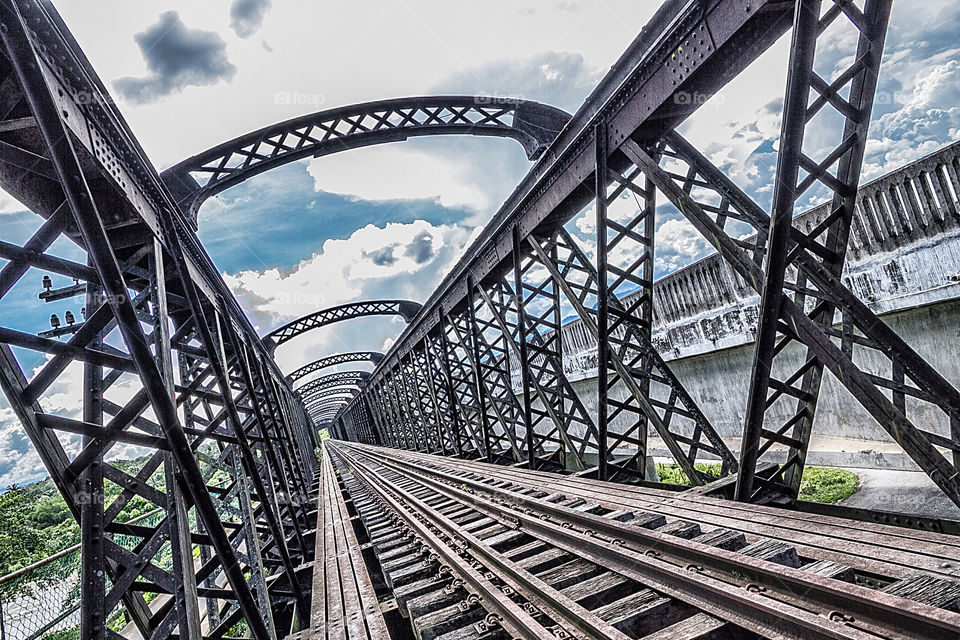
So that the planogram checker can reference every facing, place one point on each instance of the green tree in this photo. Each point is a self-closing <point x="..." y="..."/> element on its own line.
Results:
<point x="20" y="541"/>
<point x="49" y="511"/>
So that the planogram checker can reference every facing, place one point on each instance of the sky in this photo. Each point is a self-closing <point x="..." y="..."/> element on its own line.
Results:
<point x="389" y="221"/>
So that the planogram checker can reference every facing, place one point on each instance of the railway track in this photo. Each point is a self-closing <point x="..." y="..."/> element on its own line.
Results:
<point x="464" y="549"/>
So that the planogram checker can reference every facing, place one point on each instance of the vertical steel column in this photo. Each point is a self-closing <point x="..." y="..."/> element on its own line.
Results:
<point x="818" y="254"/>
<point x="646" y="311"/>
<point x="258" y="576"/>
<point x="523" y="356"/>
<point x="411" y="401"/>
<point x="380" y="415"/>
<point x="210" y="604"/>
<point x="93" y="613"/>
<point x="603" y="311"/>
<point x="474" y="346"/>
<point x="425" y="371"/>
<point x="178" y="523"/>
<point x="803" y="47"/>
<point x="461" y="423"/>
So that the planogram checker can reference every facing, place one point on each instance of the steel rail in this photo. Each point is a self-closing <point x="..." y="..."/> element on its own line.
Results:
<point x="532" y="588"/>
<point x="875" y="549"/>
<point x="638" y="569"/>
<point x="624" y="547"/>
<point x="514" y="619"/>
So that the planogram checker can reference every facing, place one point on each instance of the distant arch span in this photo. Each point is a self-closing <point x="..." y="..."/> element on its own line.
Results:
<point x="406" y="309"/>
<point x="339" y="379"/>
<point x="331" y="406"/>
<point x="345" y="388"/>
<point x="338" y="358"/>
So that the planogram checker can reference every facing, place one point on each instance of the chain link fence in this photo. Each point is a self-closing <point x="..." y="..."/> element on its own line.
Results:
<point x="42" y="601"/>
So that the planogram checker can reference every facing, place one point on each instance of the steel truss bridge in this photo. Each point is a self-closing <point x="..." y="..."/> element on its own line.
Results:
<point x="469" y="492"/>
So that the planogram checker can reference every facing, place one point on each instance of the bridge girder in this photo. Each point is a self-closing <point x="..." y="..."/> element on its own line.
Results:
<point x="447" y="385"/>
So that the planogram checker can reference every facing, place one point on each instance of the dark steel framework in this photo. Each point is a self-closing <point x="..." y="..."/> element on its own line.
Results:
<point x="169" y="364"/>
<point x="479" y="372"/>
<point x="208" y="173"/>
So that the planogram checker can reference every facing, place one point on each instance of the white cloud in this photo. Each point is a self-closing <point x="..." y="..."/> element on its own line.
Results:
<point x="404" y="261"/>
<point x="388" y="172"/>
<point x="930" y="117"/>
<point x="679" y="244"/>
<point x="9" y="204"/>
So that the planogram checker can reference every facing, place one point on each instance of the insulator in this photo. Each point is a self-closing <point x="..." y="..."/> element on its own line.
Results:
<point x="54" y="321"/>
<point x="68" y="316"/>
<point x="47" y="283"/>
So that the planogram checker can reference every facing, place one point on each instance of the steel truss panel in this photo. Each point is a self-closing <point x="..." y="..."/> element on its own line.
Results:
<point x="623" y="143"/>
<point x="688" y="47"/>
<point x="169" y="363"/>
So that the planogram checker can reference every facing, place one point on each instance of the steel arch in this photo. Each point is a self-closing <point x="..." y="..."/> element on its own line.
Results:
<point x="532" y="124"/>
<point x="335" y="394"/>
<point x="334" y="379"/>
<point x="338" y="358"/>
<point x="344" y="388"/>
<point x="336" y="401"/>
<point x="328" y="400"/>
<point x="348" y="386"/>
<point x="333" y="406"/>
<point x="407" y="309"/>
<point x="327" y="414"/>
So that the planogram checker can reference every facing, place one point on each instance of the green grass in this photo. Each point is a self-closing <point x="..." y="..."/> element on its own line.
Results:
<point x="827" y="485"/>
<point x="673" y="474"/>
<point x="819" y="484"/>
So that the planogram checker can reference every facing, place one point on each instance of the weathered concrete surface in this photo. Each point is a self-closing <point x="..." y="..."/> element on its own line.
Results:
<point x="902" y="492"/>
<point x="719" y="381"/>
